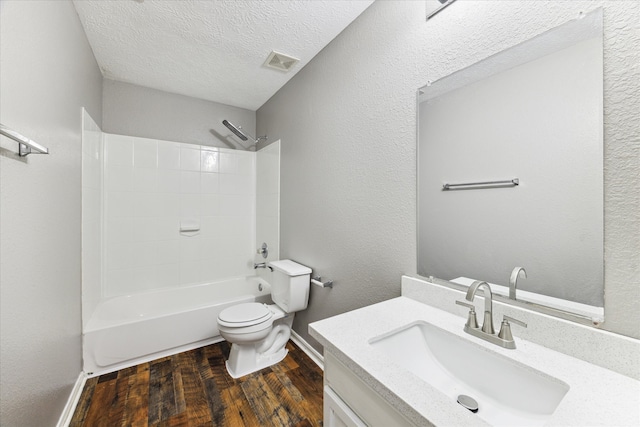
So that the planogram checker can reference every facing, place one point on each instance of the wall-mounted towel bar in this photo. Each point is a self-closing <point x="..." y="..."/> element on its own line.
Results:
<point x="25" y="145"/>
<point x="317" y="280"/>
<point x="511" y="182"/>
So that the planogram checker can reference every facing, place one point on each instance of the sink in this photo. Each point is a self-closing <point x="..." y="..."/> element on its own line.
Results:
<point x="507" y="392"/>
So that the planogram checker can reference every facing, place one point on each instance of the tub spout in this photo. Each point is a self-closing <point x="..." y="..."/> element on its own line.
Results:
<point x="262" y="265"/>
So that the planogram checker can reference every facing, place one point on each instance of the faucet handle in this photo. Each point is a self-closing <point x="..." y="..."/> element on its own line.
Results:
<point x="505" y="328"/>
<point x="516" y="321"/>
<point x="472" y="321"/>
<point x="263" y="250"/>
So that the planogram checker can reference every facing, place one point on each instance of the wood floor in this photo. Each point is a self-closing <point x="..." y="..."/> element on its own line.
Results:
<point x="194" y="389"/>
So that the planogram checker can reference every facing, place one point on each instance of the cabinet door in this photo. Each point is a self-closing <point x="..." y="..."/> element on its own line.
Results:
<point x="364" y="402"/>
<point x="337" y="413"/>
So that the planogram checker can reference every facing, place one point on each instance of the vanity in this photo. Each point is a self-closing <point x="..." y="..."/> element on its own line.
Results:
<point x="405" y="361"/>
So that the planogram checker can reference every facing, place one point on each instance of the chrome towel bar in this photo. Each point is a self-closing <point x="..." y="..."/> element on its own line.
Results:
<point x="25" y="145"/>
<point x="513" y="182"/>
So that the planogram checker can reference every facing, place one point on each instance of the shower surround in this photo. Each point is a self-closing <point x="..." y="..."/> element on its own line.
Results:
<point x="161" y="219"/>
<point x="155" y="188"/>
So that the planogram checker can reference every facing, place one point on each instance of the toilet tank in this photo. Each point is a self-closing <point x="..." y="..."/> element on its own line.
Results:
<point x="290" y="287"/>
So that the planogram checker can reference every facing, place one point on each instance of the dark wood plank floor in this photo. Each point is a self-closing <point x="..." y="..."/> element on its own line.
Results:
<point x="194" y="389"/>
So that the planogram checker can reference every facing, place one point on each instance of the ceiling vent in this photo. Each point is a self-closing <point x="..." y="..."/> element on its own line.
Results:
<point x="280" y="61"/>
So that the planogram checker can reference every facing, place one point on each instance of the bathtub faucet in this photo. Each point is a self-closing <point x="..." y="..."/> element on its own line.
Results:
<point x="262" y="265"/>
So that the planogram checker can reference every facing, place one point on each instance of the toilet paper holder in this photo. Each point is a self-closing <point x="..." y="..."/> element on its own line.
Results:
<point x="317" y="280"/>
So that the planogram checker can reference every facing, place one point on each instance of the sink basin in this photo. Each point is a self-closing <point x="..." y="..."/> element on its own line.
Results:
<point x="507" y="393"/>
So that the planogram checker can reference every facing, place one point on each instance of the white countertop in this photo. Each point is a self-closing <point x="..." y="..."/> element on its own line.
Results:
<point x="597" y="396"/>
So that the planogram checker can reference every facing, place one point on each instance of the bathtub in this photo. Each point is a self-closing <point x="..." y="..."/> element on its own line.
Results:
<point x="131" y="329"/>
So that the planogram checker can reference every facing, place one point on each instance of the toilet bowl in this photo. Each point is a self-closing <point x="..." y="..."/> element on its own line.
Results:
<point x="258" y="333"/>
<point x="257" y="343"/>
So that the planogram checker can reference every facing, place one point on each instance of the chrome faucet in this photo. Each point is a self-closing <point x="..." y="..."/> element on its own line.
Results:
<point x="262" y="265"/>
<point x="513" y="281"/>
<point x="486" y="332"/>
<point x="487" y="324"/>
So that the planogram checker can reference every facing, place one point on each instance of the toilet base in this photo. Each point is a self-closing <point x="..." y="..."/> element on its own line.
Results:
<point x="248" y="357"/>
<point x="239" y="366"/>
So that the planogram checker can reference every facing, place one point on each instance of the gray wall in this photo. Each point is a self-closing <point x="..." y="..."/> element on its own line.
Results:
<point x="149" y="113"/>
<point x="47" y="74"/>
<point x="347" y="124"/>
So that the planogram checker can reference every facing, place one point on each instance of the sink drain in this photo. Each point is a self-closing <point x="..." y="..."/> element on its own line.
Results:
<point x="468" y="402"/>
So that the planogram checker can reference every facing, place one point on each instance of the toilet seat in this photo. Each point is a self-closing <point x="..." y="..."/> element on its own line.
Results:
<point x="245" y="315"/>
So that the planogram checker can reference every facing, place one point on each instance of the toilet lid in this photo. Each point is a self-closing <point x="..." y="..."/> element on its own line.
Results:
<point x="247" y="314"/>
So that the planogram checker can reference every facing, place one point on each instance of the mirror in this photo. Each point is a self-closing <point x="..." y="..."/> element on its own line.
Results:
<point x="530" y="118"/>
<point x="436" y="6"/>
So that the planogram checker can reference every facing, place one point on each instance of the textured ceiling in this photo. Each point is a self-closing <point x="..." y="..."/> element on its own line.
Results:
<point x="210" y="49"/>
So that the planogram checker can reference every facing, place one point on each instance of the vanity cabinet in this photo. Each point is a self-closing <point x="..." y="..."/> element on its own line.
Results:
<point x="337" y="413"/>
<point x="349" y="402"/>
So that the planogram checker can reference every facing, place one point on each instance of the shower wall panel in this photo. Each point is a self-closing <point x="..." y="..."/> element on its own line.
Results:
<point x="154" y="188"/>
<point x="92" y="208"/>
<point x="268" y="202"/>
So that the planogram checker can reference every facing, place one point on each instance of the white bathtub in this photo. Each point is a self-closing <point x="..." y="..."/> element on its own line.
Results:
<point x="128" y="330"/>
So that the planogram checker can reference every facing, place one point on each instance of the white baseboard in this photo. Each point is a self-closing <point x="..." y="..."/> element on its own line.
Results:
<point x="72" y="402"/>
<point x="310" y="351"/>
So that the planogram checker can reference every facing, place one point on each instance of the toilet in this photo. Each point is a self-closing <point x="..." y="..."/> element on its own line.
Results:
<point x="259" y="332"/>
